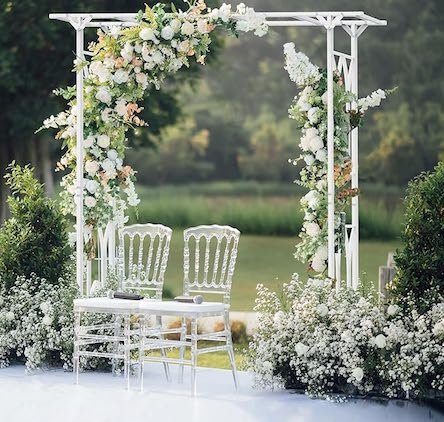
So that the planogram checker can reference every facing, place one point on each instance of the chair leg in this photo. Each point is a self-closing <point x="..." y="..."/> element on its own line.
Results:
<point x="193" y="354"/>
<point x="117" y="326"/>
<point x="166" y="366"/>
<point x="127" y="351"/>
<point x="183" y="337"/>
<point x="230" y="349"/>
<point x="76" y="357"/>
<point x="142" y="367"/>
<point x="142" y="323"/>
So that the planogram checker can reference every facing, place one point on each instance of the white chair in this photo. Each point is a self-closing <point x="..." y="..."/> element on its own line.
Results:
<point x="141" y="268"/>
<point x="207" y="270"/>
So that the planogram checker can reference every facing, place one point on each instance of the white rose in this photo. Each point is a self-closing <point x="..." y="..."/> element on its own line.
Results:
<point x="202" y="26"/>
<point x="99" y="69"/>
<point x="108" y="164"/>
<point x="105" y="114"/>
<point x="322" y="253"/>
<point x="224" y="12"/>
<point x="301" y="349"/>
<point x="10" y="316"/>
<point x="142" y="79"/>
<point x="187" y="28"/>
<point x="112" y="154"/>
<point x="358" y="374"/>
<point x="91" y="167"/>
<point x="127" y="52"/>
<point x="322" y="309"/>
<point x="121" y="108"/>
<point x="392" y="309"/>
<point x="321" y="184"/>
<point x="175" y="25"/>
<point x="103" y="141"/>
<point x="167" y="33"/>
<point x="312" y="229"/>
<point x="90" y="201"/>
<point x="324" y="98"/>
<point x="183" y="46"/>
<point x="313" y="115"/>
<point x="47" y="320"/>
<point x="92" y="186"/>
<point x="103" y="95"/>
<point x="315" y="143"/>
<point x="312" y="199"/>
<point x="309" y="159"/>
<point x="321" y="155"/>
<point x="157" y="57"/>
<point x="380" y="341"/>
<point x="121" y="76"/>
<point x="318" y="265"/>
<point x="88" y="142"/>
<point x="147" y="34"/>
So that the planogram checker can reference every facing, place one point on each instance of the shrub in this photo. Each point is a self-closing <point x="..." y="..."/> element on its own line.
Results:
<point x="34" y="240"/>
<point x="420" y="264"/>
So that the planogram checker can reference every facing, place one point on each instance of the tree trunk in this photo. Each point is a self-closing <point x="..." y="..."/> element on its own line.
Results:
<point x="46" y="175"/>
<point x="5" y="159"/>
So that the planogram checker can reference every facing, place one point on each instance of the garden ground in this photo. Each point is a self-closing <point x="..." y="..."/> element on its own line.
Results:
<point x="47" y="395"/>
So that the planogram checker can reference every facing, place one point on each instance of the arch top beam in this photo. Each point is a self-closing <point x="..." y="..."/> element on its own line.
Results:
<point x="274" y="19"/>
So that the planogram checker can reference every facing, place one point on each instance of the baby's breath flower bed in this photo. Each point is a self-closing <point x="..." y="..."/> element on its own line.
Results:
<point x="322" y="341"/>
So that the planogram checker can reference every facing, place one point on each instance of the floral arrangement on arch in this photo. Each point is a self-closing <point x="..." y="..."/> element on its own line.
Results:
<point x="126" y="64"/>
<point x="309" y="110"/>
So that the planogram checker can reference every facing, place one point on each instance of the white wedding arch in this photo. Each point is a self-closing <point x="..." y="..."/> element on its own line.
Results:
<point x="353" y="23"/>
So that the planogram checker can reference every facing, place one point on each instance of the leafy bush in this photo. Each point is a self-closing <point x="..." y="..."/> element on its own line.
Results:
<point x="34" y="240"/>
<point x="420" y="264"/>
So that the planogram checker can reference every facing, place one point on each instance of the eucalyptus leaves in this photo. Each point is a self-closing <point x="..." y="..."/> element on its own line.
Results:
<point x="126" y="64"/>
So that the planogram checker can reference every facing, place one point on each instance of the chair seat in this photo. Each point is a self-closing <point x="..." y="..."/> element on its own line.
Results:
<point x="172" y="308"/>
<point x="105" y="304"/>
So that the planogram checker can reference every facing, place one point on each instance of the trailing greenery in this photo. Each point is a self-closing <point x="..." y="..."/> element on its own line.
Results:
<point x="35" y="239"/>
<point x="420" y="264"/>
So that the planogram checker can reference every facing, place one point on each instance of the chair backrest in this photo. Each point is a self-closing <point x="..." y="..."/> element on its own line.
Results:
<point x="143" y="258"/>
<point x="209" y="267"/>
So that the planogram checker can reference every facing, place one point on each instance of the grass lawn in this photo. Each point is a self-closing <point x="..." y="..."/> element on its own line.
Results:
<point x="213" y="360"/>
<point x="269" y="260"/>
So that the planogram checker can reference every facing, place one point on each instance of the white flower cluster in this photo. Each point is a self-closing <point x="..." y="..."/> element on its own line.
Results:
<point x="372" y="100"/>
<point x="36" y="322"/>
<point x="250" y="21"/>
<point x="314" y="338"/>
<point x="299" y="67"/>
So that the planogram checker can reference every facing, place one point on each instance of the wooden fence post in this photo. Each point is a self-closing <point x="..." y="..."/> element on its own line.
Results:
<point x="386" y="275"/>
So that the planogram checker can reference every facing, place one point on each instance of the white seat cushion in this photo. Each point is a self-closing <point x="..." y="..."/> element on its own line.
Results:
<point x="105" y="304"/>
<point x="179" y="308"/>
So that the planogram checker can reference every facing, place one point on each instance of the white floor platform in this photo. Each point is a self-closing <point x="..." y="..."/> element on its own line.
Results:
<point x="51" y="396"/>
